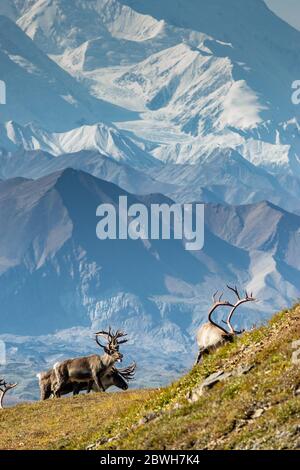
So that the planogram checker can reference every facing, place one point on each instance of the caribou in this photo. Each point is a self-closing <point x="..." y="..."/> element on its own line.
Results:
<point x="93" y="368"/>
<point x="4" y="388"/>
<point x="116" y="377"/>
<point x="210" y="336"/>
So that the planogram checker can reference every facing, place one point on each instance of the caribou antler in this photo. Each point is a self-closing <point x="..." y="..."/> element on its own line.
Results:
<point x="98" y="342"/>
<point x="120" y="334"/>
<point x="105" y="334"/>
<point x="248" y="298"/>
<point x="4" y="388"/>
<point x="218" y="302"/>
<point x="111" y="337"/>
<point x="127" y="373"/>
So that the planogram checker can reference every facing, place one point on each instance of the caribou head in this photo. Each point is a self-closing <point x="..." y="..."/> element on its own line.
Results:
<point x="113" y="342"/>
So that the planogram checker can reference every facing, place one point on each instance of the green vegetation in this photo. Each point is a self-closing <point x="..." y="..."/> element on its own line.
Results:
<point x="258" y="410"/>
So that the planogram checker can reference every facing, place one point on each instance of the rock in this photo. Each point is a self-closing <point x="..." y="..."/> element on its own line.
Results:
<point x="296" y="429"/>
<point x="142" y="421"/>
<point x="242" y="370"/>
<point x="208" y="383"/>
<point x="257" y="413"/>
<point x="215" y="378"/>
<point x="177" y="406"/>
<point x="99" y="442"/>
<point x="146" y="419"/>
<point x="241" y="423"/>
<point x="296" y="353"/>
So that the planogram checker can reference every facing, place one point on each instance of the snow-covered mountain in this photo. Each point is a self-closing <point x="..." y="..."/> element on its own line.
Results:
<point x="102" y="138"/>
<point x="58" y="25"/>
<point x="201" y="76"/>
<point x="40" y="91"/>
<point x="223" y="175"/>
<point x="234" y="180"/>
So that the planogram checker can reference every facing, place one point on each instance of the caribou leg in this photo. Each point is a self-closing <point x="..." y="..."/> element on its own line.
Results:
<point x="61" y="378"/>
<point x="199" y="357"/>
<point x="98" y="382"/>
<point x="90" y="385"/>
<point x="76" y="389"/>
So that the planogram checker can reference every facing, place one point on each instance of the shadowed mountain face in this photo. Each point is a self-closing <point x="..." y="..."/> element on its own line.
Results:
<point x="223" y="177"/>
<point x="37" y="163"/>
<point x="48" y="245"/>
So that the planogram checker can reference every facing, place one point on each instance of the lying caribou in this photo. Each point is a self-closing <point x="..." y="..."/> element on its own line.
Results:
<point x="210" y="336"/>
<point x="116" y="377"/>
<point x="90" y="369"/>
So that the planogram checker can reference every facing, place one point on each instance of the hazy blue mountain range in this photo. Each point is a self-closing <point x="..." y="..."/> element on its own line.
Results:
<point x="223" y="176"/>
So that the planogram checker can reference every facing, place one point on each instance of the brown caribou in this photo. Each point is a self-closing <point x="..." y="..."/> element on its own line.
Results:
<point x="93" y="368"/>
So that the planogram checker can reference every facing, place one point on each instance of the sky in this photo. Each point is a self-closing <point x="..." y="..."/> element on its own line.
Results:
<point x="289" y="10"/>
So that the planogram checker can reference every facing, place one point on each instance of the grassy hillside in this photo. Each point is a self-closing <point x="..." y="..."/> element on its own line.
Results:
<point x="258" y="410"/>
